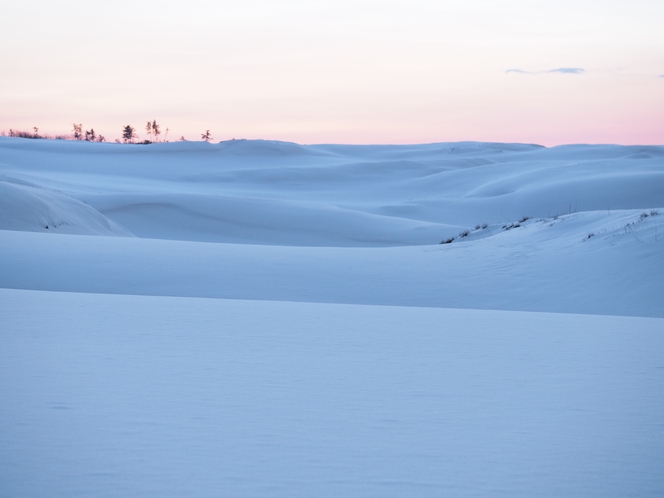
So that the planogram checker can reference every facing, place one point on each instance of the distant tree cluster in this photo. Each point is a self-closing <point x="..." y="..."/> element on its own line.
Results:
<point x="90" y="135"/>
<point x="129" y="135"/>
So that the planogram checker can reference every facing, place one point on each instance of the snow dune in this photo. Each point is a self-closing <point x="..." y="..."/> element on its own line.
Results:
<point x="541" y="266"/>
<point x="259" y="318"/>
<point x="32" y="208"/>
<point x="261" y="192"/>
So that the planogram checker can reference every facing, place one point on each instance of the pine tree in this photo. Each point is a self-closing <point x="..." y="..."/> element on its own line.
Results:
<point x="128" y="134"/>
<point x="206" y="136"/>
<point x="78" y="131"/>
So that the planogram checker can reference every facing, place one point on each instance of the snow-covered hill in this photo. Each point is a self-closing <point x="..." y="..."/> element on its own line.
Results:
<point x="193" y="319"/>
<point x="261" y="192"/>
<point x="567" y="229"/>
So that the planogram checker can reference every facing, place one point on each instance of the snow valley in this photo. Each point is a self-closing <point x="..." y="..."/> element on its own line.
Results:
<point x="256" y="318"/>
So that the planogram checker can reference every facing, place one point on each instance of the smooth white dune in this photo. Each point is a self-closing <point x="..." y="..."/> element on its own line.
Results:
<point x="547" y="265"/>
<point x="257" y="318"/>
<point x="262" y="192"/>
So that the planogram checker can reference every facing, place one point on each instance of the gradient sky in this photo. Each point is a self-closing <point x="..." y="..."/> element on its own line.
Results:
<point x="360" y="71"/>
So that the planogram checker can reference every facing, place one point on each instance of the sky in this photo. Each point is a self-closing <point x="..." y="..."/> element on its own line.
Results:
<point x="361" y="71"/>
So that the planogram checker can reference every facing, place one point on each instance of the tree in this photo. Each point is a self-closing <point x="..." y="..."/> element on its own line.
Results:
<point x="166" y="135"/>
<point x="155" y="130"/>
<point x="101" y="138"/>
<point x="206" y="136"/>
<point x="128" y="134"/>
<point x="78" y="131"/>
<point x="182" y="139"/>
<point x="148" y="128"/>
<point x="90" y="136"/>
<point x="36" y="131"/>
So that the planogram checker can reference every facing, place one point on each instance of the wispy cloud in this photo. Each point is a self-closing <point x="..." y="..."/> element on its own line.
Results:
<point x="567" y="70"/>
<point x="562" y="70"/>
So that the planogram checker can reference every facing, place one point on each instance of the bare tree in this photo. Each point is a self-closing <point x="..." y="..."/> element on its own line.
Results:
<point x="155" y="130"/>
<point x="90" y="136"/>
<point x="148" y="128"/>
<point x="166" y="135"/>
<point x="36" y="131"/>
<point x="182" y="139"/>
<point x="101" y="138"/>
<point x="206" y="136"/>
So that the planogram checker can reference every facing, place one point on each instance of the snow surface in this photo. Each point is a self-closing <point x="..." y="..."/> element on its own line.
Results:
<point x="151" y="396"/>
<point x="215" y="328"/>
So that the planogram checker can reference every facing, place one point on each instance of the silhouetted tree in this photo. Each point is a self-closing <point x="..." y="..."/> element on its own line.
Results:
<point x="182" y="139"/>
<point x="128" y="134"/>
<point x="78" y="133"/>
<point x="166" y="135"/>
<point x="155" y="130"/>
<point x="101" y="138"/>
<point x="90" y="135"/>
<point x="206" y="136"/>
<point x="36" y="131"/>
<point x="148" y="128"/>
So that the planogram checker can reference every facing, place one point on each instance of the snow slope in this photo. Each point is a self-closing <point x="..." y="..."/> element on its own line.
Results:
<point x="113" y="396"/>
<point x="32" y="208"/>
<point x="541" y="266"/>
<point x="262" y="192"/>
<point x="342" y="224"/>
<point x="201" y="320"/>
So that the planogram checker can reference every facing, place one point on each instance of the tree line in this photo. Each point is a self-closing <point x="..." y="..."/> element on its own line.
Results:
<point x="129" y="135"/>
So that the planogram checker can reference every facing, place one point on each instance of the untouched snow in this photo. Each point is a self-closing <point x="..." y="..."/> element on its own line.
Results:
<point x="201" y="320"/>
<point x="31" y="208"/>
<point x="262" y="192"/>
<point x="115" y="396"/>
<point x="341" y="224"/>
<point x="541" y="266"/>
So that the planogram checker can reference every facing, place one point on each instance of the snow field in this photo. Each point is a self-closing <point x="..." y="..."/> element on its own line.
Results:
<point x="258" y="318"/>
<point x="111" y="395"/>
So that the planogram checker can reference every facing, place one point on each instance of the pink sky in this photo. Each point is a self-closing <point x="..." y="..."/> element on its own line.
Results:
<point x="345" y="71"/>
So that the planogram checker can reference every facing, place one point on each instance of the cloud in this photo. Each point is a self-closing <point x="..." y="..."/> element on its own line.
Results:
<point x="562" y="70"/>
<point x="567" y="70"/>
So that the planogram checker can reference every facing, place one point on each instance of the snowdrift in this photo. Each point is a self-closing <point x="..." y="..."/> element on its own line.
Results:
<point x="31" y="208"/>
<point x="234" y="346"/>
<point x="262" y="192"/>
<point x="567" y="229"/>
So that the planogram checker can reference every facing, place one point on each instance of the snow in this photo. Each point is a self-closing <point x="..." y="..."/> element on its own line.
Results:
<point x="540" y="266"/>
<point x="257" y="318"/>
<point x="152" y="396"/>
